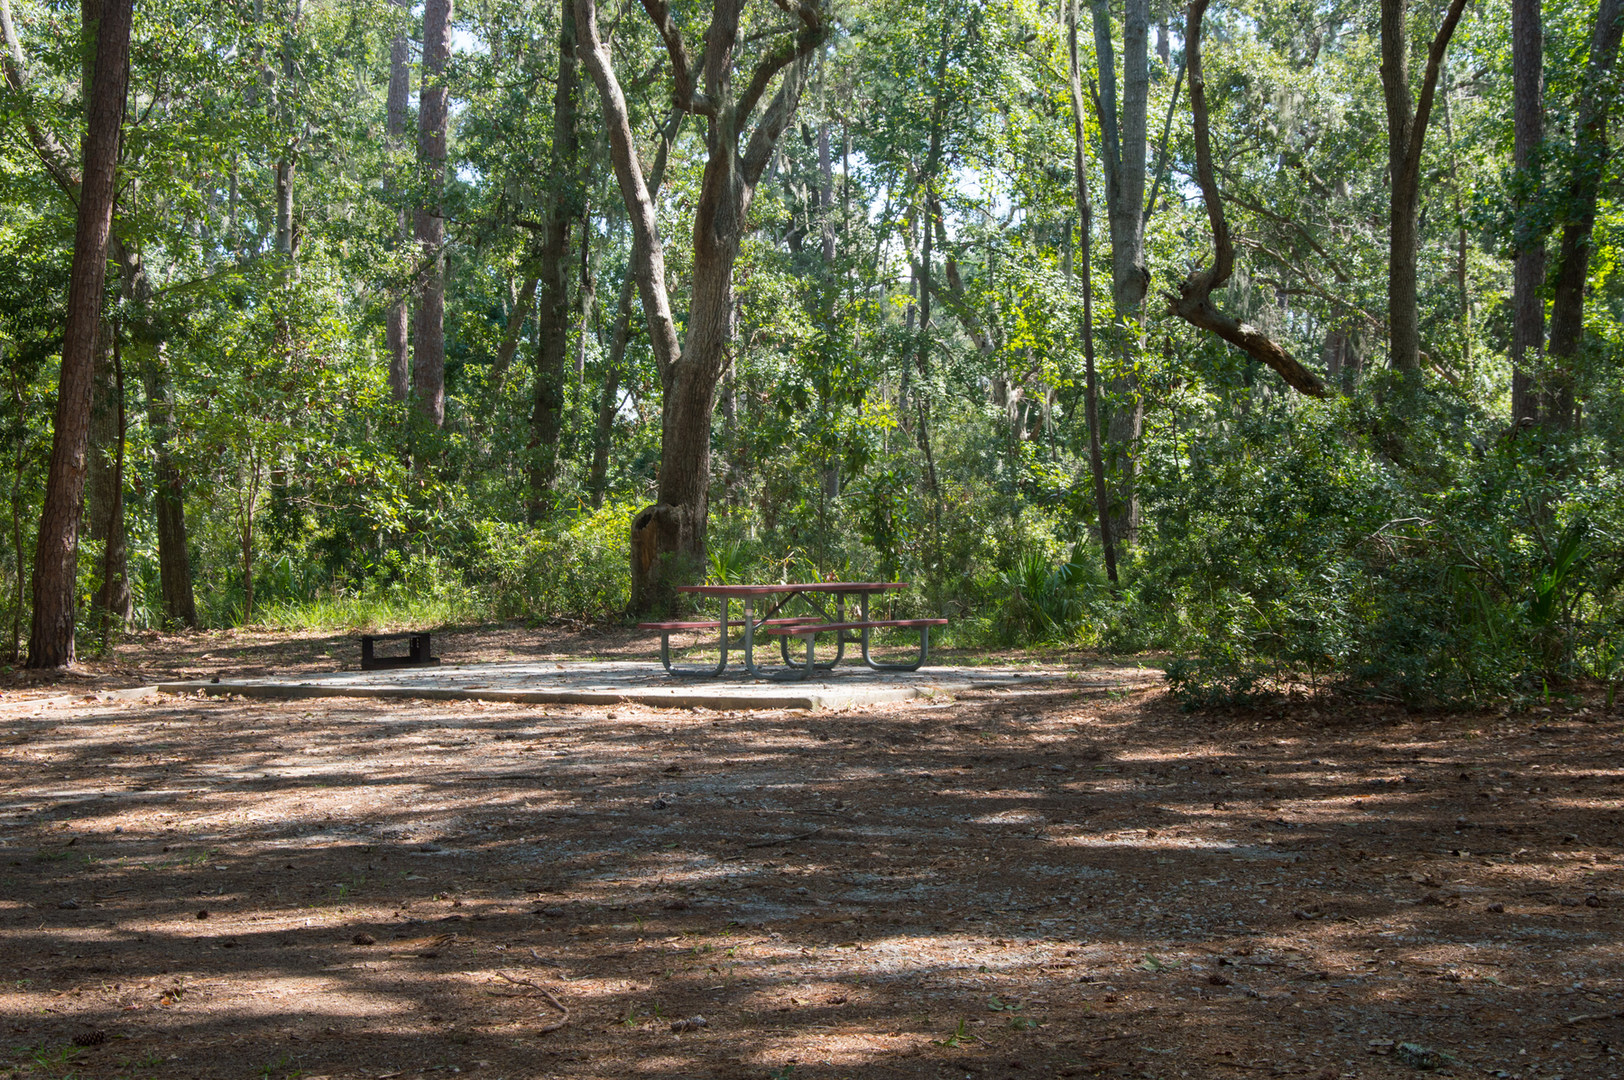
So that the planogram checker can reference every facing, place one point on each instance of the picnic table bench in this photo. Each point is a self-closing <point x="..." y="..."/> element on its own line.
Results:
<point x="809" y="633"/>
<point x="806" y="627"/>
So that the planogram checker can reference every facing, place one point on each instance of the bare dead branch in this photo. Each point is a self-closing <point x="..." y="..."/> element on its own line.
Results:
<point x="564" y="1013"/>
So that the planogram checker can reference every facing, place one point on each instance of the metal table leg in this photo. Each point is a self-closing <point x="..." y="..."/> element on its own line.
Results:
<point x="840" y="636"/>
<point x="750" y="638"/>
<point x="924" y="645"/>
<point x="721" y="658"/>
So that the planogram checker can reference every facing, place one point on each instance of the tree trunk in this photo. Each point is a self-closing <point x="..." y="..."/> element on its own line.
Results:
<point x="668" y="539"/>
<point x="1528" y="271"/>
<point x="50" y="641"/>
<point x="174" y="560"/>
<point x="104" y="493"/>
<point x="285" y="163"/>
<point x="396" y="320"/>
<point x="428" y="351"/>
<point x="609" y="399"/>
<point x="1085" y="218"/>
<point x="1123" y="157"/>
<point x="1462" y="281"/>
<point x="553" y="299"/>
<point x="1406" y="135"/>
<point x="113" y="599"/>
<point x="522" y="303"/>
<point x="1194" y="303"/>
<point x="586" y="298"/>
<point x="1590" y="165"/>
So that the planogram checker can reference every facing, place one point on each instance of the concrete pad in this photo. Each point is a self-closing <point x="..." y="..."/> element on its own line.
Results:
<point x="545" y="682"/>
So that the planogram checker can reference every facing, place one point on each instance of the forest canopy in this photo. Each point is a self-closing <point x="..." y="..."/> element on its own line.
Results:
<point x="1283" y="337"/>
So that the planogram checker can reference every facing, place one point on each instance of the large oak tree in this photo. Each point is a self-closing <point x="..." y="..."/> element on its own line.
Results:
<point x="726" y="91"/>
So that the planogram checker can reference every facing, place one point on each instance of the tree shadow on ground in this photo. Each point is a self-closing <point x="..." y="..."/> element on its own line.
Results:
<point x="1051" y="881"/>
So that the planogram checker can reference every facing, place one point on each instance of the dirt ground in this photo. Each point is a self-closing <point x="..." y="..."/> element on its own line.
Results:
<point x="1051" y="881"/>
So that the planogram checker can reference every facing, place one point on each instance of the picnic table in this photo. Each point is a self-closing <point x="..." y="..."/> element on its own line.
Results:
<point x="827" y="599"/>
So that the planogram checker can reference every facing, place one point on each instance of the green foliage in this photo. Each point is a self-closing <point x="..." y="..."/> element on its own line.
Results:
<point x="574" y="566"/>
<point x="1398" y="541"/>
<point x="1334" y="566"/>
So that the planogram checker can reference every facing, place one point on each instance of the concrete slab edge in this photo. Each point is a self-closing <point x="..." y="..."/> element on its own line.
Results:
<point x="89" y="697"/>
<point x="697" y="697"/>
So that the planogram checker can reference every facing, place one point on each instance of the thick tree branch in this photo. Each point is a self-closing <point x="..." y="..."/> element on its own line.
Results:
<point x="1194" y="303"/>
<point x="56" y="159"/>
<point x="1105" y="105"/>
<point x="647" y="251"/>
<point x="682" y="67"/>
<point x="1429" y="83"/>
<point x="759" y="150"/>
<point x="720" y="38"/>
<point x="788" y="52"/>
<point x="1161" y="155"/>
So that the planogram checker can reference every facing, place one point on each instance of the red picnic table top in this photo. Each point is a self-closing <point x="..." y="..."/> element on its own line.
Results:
<point x="810" y="586"/>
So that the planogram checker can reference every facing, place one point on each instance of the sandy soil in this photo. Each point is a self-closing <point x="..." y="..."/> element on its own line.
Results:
<point x="1044" y="882"/>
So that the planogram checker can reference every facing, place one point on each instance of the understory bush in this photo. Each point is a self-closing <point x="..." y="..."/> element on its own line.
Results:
<point x="1311" y="561"/>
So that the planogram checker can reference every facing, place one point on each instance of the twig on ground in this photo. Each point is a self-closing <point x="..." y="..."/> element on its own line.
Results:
<point x="785" y="839"/>
<point x="552" y="1000"/>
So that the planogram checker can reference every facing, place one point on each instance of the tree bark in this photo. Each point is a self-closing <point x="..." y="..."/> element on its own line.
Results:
<point x="1528" y="270"/>
<point x="169" y="506"/>
<point x="281" y="92"/>
<point x="168" y="497"/>
<point x="113" y="601"/>
<point x="553" y="298"/>
<point x="428" y="347"/>
<point x="609" y="398"/>
<point x="522" y="303"/>
<point x="1590" y="156"/>
<point x="104" y="485"/>
<point x="1122" y="155"/>
<point x="586" y="297"/>
<point x="1194" y="303"/>
<point x="1407" y="120"/>
<point x="1085" y="219"/>
<point x="1462" y="281"/>
<point x="396" y="320"/>
<point x="668" y="538"/>
<point x="50" y="641"/>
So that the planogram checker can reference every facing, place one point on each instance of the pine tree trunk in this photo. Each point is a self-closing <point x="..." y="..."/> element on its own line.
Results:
<point x="396" y="319"/>
<point x="1528" y="271"/>
<point x="50" y="642"/>
<point x="428" y="352"/>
